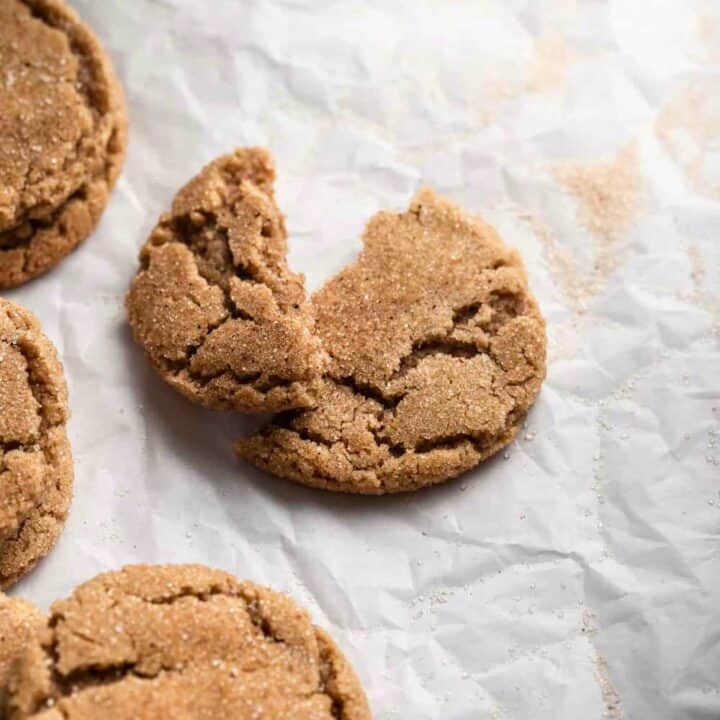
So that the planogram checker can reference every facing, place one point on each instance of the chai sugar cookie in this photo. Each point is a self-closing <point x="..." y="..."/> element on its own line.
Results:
<point x="36" y="469"/>
<point x="181" y="641"/>
<point x="437" y="351"/>
<point x="63" y="131"/>
<point x="19" y="621"/>
<point x="216" y="308"/>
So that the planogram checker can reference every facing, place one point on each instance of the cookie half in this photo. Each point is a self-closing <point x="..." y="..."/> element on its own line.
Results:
<point x="185" y="642"/>
<point x="437" y="351"/>
<point x="19" y="622"/>
<point x="63" y="131"/>
<point x="216" y="308"/>
<point x="36" y="469"/>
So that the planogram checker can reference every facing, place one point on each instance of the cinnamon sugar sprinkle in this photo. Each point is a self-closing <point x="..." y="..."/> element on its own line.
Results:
<point x="608" y="193"/>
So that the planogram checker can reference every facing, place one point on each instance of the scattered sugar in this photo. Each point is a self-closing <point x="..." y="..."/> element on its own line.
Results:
<point x="548" y="66"/>
<point x="609" y="195"/>
<point x="689" y="128"/>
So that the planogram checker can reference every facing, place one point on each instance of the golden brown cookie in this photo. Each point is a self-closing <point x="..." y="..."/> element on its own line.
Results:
<point x="36" y="469"/>
<point x="19" y="621"/>
<point x="182" y="642"/>
<point x="437" y="351"/>
<point x="63" y="131"/>
<point x="214" y="305"/>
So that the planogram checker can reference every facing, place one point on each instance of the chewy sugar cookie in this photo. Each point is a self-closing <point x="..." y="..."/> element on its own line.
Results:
<point x="19" y="621"/>
<point x="216" y="308"/>
<point x="437" y="351"/>
<point x="181" y="641"/>
<point x="63" y="133"/>
<point x="36" y="470"/>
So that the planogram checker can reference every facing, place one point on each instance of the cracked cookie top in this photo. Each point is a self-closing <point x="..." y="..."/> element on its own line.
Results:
<point x="215" y="306"/>
<point x="437" y="350"/>
<point x="35" y="457"/>
<point x="184" y="642"/>
<point x="62" y="134"/>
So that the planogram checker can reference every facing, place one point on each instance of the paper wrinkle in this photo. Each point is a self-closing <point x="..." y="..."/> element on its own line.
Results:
<point x="575" y="574"/>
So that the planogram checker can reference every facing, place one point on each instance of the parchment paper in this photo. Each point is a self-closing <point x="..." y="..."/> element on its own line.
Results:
<point x="576" y="575"/>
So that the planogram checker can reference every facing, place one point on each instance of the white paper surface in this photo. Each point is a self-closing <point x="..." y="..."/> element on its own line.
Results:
<point x="578" y="578"/>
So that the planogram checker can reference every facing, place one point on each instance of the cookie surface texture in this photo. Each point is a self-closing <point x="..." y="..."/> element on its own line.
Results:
<point x="216" y="308"/>
<point x="19" y="621"/>
<point x="437" y="351"/>
<point x="36" y="470"/>
<point x="63" y="130"/>
<point x="181" y="642"/>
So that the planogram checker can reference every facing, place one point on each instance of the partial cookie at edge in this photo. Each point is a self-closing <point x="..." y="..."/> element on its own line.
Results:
<point x="437" y="351"/>
<point x="216" y="308"/>
<point x="36" y="469"/>
<point x="174" y="638"/>
<point x="62" y="135"/>
<point x="19" y="622"/>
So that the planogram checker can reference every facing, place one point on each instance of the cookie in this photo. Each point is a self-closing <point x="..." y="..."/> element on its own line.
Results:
<point x="63" y="132"/>
<point x="19" y="621"/>
<point x="181" y="641"/>
<point x="36" y="469"/>
<point x="437" y="351"/>
<point x="216" y="308"/>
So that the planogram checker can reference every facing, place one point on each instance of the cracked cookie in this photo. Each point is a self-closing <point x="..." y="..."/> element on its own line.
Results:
<point x="36" y="469"/>
<point x="63" y="131"/>
<point x="19" y="621"/>
<point x="216" y="308"/>
<point x="181" y="641"/>
<point x="437" y="350"/>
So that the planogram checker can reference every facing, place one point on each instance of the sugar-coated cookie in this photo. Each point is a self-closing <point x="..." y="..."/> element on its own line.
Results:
<point x="63" y="131"/>
<point x="36" y="468"/>
<point x="216" y="308"/>
<point x="437" y="351"/>
<point x="19" y="621"/>
<point x="184" y="642"/>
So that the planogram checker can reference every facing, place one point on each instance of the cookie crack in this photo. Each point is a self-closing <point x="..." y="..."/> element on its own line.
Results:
<point x="39" y="506"/>
<point x="186" y="592"/>
<point x="368" y="391"/>
<point x="7" y="446"/>
<point x="328" y="681"/>
<point x="64" y="686"/>
<point x="479" y="441"/>
<point x="258" y="381"/>
<point x="529" y="358"/>
<point x="442" y="345"/>
<point x="324" y="685"/>
<point x="502" y="310"/>
<point x="183" y="228"/>
<point x="261" y="622"/>
<point x="503" y="307"/>
<point x="203" y="381"/>
<point x="38" y="388"/>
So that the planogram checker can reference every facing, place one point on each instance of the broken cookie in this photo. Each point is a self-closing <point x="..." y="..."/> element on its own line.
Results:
<point x="215" y="306"/>
<point x="437" y="350"/>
